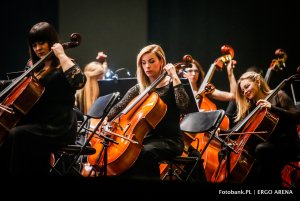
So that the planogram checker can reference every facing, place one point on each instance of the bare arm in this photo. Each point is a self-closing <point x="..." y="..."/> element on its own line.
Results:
<point x="224" y="95"/>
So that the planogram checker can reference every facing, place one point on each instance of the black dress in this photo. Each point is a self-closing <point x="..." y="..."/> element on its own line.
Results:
<point x="50" y="124"/>
<point x="163" y="142"/>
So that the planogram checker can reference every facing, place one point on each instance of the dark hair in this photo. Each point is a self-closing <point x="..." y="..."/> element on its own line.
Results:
<point x="41" y="32"/>
<point x="201" y="72"/>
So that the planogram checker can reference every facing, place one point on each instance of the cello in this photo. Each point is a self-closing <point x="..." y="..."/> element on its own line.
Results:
<point x="255" y="128"/>
<point x="207" y="88"/>
<point x="210" y="156"/>
<point x="130" y="126"/>
<point x="22" y="94"/>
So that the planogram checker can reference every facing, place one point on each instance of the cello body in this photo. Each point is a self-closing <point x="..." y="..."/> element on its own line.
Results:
<point x="242" y="161"/>
<point x="133" y="125"/>
<point x="21" y="99"/>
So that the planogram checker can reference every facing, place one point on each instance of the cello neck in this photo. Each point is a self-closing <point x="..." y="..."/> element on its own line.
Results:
<point x="207" y="78"/>
<point x="25" y="74"/>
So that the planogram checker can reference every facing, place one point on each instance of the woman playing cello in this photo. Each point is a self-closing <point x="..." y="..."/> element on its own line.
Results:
<point x="51" y="122"/>
<point x="283" y="143"/>
<point x="165" y="140"/>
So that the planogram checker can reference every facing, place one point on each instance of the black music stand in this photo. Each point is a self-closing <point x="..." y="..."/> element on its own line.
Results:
<point x="193" y="106"/>
<point x="99" y="110"/>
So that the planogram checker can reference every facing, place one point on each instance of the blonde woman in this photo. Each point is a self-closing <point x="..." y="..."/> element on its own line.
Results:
<point x="165" y="140"/>
<point x="94" y="71"/>
<point x="283" y="143"/>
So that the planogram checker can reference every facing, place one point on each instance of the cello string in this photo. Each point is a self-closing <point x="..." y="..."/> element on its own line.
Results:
<point x="7" y="109"/>
<point x="242" y="133"/>
<point x="106" y="129"/>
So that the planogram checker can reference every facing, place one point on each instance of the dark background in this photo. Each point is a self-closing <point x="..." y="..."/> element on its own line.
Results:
<point x="121" y="28"/>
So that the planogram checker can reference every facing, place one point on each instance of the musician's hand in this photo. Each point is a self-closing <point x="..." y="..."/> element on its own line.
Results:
<point x="171" y="70"/>
<point x="58" y="50"/>
<point x="101" y="57"/>
<point x="64" y="60"/>
<point x="263" y="104"/>
<point x="230" y="67"/>
<point x="209" y="88"/>
<point x="218" y="131"/>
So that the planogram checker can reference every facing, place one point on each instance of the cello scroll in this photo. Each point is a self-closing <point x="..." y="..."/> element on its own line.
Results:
<point x="279" y="62"/>
<point x="227" y="55"/>
<point x="75" y="39"/>
<point x="186" y="63"/>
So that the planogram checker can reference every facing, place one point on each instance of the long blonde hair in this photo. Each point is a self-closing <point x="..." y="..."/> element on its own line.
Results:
<point x="243" y="104"/>
<point x="142" y="78"/>
<point x="87" y="95"/>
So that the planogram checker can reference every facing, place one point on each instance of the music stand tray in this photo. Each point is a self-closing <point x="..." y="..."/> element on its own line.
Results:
<point x="193" y="106"/>
<point x="121" y="85"/>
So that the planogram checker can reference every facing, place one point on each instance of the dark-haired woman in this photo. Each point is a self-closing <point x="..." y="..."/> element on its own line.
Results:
<point x="51" y="123"/>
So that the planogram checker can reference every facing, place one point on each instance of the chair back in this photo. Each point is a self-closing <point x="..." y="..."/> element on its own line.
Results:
<point x="199" y="122"/>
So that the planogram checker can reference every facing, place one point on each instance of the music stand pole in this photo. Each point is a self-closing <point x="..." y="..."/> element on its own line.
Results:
<point x="104" y="152"/>
<point x="227" y="150"/>
<point x="105" y="113"/>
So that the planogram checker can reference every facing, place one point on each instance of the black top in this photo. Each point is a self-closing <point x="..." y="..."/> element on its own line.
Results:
<point x="289" y="117"/>
<point x="54" y="109"/>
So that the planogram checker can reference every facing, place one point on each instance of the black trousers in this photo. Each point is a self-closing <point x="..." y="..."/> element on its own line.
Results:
<point x="155" y="149"/>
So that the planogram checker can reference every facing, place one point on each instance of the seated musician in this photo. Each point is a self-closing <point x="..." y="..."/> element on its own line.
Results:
<point x="195" y="74"/>
<point x="165" y="141"/>
<point x="283" y="143"/>
<point x="51" y="123"/>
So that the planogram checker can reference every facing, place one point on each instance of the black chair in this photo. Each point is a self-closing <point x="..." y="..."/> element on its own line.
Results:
<point x="194" y="123"/>
<point x="62" y="156"/>
<point x="99" y="110"/>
